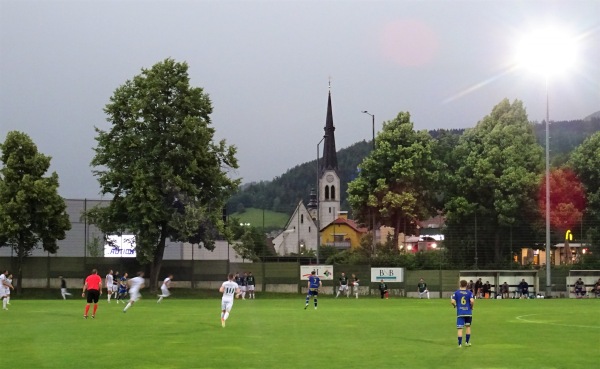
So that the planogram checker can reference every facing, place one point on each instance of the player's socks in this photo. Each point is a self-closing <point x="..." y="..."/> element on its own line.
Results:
<point x="467" y="339"/>
<point x="315" y="303"/>
<point x="87" y="309"/>
<point x="95" y="308"/>
<point x="8" y="300"/>
<point x="160" y="297"/>
<point x="459" y="341"/>
<point x="226" y="315"/>
<point x="222" y="322"/>
<point x="127" y="307"/>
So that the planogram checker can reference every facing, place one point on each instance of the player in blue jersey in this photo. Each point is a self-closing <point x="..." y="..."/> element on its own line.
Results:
<point x="463" y="301"/>
<point x="314" y="283"/>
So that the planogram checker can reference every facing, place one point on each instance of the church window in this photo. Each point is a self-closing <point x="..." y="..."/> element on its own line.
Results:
<point x="333" y="192"/>
<point x="326" y="192"/>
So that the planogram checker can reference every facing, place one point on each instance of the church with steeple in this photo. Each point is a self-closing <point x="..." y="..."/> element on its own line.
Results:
<point x="302" y="229"/>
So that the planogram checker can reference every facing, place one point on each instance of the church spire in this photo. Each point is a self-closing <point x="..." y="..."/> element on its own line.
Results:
<point x="329" y="152"/>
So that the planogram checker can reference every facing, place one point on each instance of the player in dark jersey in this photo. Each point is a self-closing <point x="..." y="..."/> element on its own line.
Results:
<point x="579" y="288"/>
<point x="523" y="289"/>
<point x="343" y="287"/>
<point x="314" y="283"/>
<point x="241" y="281"/>
<point x="383" y="289"/>
<point x="463" y="301"/>
<point x="122" y="288"/>
<point x="422" y="288"/>
<point x="251" y="285"/>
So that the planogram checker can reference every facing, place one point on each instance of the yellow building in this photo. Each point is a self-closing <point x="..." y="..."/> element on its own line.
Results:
<point x="342" y="233"/>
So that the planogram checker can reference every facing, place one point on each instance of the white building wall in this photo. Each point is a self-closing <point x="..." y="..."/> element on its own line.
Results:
<point x="300" y="231"/>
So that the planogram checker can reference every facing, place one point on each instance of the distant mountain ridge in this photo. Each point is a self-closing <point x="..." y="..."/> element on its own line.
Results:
<point x="283" y="192"/>
<point x="592" y="116"/>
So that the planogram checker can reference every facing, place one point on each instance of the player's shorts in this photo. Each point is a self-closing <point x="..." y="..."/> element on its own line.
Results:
<point x="250" y="287"/>
<point x="462" y="321"/>
<point x="243" y="288"/>
<point x="343" y="287"/>
<point x="165" y="291"/>
<point x="226" y="304"/>
<point x="355" y="285"/>
<point x="134" y="295"/>
<point x="313" y="291"/>
<point x="114" y="288"/>
<point x="93" y="296"/>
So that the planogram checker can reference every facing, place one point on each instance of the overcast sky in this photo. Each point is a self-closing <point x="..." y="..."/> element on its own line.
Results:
<point x="266" y="66"/>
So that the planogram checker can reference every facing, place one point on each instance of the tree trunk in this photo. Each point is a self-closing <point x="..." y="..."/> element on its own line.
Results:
<point x="497" y="253"/>
<point x="397" y="233"/>
<point x="19" y="270"/>
<point x="157" y="262"/>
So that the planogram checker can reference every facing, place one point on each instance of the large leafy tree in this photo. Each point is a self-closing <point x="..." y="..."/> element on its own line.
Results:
<point x="494" y="186"/>
<point x="32" y="214"/>
<point x="585" y="160"/>
<point x="567" y="202"/>
<point x="167" y="177"/>
<point x="396" y="181"/>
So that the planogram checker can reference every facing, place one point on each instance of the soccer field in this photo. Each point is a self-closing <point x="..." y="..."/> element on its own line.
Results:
<point x="279" y="333"/>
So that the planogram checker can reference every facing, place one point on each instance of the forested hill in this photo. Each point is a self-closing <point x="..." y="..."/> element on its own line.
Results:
<point x="283" y="193"/>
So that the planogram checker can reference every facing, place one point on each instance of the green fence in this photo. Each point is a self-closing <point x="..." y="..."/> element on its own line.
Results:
<point x="43" y="272"/>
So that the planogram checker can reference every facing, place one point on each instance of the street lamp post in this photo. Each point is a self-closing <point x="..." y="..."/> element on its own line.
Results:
<point x="373" y="124"/>
<point x="318" y="201"/>
<point x="548" y="250"/>
<point x="372" y="215"/>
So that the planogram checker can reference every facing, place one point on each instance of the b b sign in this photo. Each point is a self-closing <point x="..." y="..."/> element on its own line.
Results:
<point x="389" y="275"/>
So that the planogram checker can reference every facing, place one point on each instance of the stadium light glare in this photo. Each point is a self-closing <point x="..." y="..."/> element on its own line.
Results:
<point x="549" y="51"/>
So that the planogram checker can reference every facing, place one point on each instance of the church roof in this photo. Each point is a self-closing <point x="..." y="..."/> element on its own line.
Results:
<point x="329" y="152"/>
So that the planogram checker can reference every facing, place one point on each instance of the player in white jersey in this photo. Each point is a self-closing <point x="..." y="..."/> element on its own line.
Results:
<point x="108" y="282"/>
<point x="135" y="285"/>
<point x="164" y="289"/>
<point x="5" y="287"/>
<point x="229" y="290"/>
<point x="9" y="279"/>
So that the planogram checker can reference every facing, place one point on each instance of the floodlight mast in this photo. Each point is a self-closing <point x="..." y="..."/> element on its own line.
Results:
<point x="549" y="51"/>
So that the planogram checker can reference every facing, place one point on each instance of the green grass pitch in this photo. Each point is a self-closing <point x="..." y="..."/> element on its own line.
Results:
<point x="278" y="333"/>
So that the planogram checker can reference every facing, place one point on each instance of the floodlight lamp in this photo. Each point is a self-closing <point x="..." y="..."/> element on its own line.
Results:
<point x="548" y="51"/>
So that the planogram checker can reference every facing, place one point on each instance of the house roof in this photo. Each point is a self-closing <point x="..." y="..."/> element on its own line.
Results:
<point x="437" y="221"/>
<point x="350" y="223"/>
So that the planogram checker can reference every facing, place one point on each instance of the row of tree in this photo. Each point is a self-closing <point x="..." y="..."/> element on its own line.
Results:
<point x="158" y="163"/>
<point x="283" y="192"/>
<point x="493" y="172"/>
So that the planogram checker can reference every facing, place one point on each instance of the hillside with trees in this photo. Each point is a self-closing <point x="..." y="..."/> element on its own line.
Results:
<point x="283" y="193"/>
